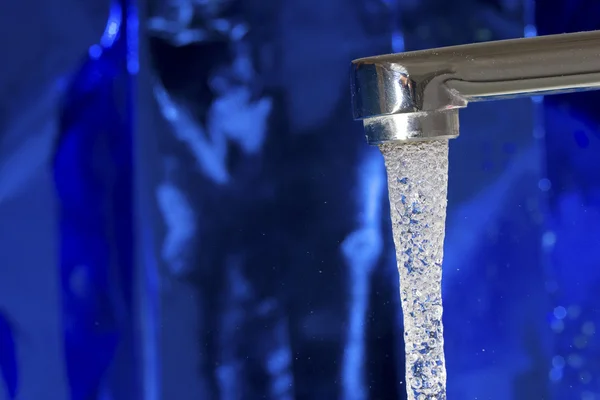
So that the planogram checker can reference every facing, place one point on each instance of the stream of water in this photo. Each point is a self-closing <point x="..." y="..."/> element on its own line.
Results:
<point x="418" y="184"/>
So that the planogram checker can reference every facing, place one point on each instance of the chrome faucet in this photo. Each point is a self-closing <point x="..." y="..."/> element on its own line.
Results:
<point x="416" y="95"/>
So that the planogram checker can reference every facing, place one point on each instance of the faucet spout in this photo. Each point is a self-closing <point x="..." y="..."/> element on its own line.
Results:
<point x="416" y="95"/>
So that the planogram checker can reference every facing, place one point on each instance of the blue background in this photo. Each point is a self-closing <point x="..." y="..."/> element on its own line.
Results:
<point x="188" y="211"/>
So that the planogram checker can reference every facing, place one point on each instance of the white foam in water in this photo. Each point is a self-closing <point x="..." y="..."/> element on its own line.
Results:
<point x="418" y="184"/>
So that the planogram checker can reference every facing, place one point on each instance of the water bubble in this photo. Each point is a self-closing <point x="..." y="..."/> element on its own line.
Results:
<point x="558" y="362"/>
<point x="548" y="239"/>
<point x="556" y="374"/>
<point x="588" y="396"/>
<point x="544" y="184"/>
<point x="560" y="312"/>
<point x="575" y="361"/>
<point x="588" y="328"/>
<point x="585" y="377"/>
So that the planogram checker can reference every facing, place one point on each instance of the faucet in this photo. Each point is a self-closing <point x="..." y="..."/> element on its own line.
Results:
<point x="415" y="96"/>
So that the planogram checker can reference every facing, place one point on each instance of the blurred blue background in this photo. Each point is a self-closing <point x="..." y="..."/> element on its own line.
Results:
<point x="188" y="211"/>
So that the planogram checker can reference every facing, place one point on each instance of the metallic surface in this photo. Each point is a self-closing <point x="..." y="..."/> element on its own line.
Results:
<point x="412" y="126"/>
<point x="415" y="84"/>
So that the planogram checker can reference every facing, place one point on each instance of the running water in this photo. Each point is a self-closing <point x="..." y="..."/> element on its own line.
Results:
<point x="418" y="182"/>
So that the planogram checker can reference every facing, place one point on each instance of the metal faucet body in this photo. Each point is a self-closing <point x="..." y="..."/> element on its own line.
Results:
<point x="416" y="95"/>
